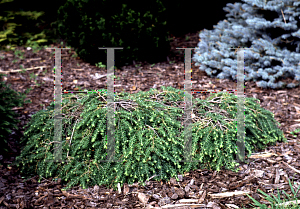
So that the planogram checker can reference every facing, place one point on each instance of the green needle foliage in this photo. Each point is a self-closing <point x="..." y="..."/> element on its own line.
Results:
<point x="149" y="137"/>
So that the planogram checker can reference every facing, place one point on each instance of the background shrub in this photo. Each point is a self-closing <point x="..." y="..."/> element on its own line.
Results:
<point x="139" y="27"/>
<point x="270" y="32"/>
<point x="19" y="27"/>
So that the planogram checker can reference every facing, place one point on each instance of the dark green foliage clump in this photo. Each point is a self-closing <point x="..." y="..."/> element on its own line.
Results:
<point x="8" y="99"/>
<point x="149" y="137"/>
<point x="139" y="27"/>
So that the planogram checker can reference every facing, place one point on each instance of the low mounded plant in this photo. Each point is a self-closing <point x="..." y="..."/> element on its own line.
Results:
<point x="149" y="137"/>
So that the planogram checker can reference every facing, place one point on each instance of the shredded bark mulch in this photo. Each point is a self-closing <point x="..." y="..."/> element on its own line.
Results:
<point x="267" y="171"/>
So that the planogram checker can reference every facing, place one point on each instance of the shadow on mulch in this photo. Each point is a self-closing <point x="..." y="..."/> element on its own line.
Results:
<point x="266" y="171"/>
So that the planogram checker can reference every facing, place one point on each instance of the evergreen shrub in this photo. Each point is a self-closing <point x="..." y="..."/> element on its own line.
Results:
<point x="139" y="27"/>
<point x="8" y="99"/>
<point x="269" y="28"/>
<point x="149" y="137"/>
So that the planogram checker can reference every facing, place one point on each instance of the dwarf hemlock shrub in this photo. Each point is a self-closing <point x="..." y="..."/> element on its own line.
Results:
<point x="139" y="27"/>
<point x="149" y="137"/>
<point x="269" y="28"/>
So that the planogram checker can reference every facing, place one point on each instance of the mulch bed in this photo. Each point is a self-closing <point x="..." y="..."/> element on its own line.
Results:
<point x="198" y="189"/>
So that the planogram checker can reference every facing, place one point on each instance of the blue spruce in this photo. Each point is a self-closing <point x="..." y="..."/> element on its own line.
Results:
<point x="269" y="28"/>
